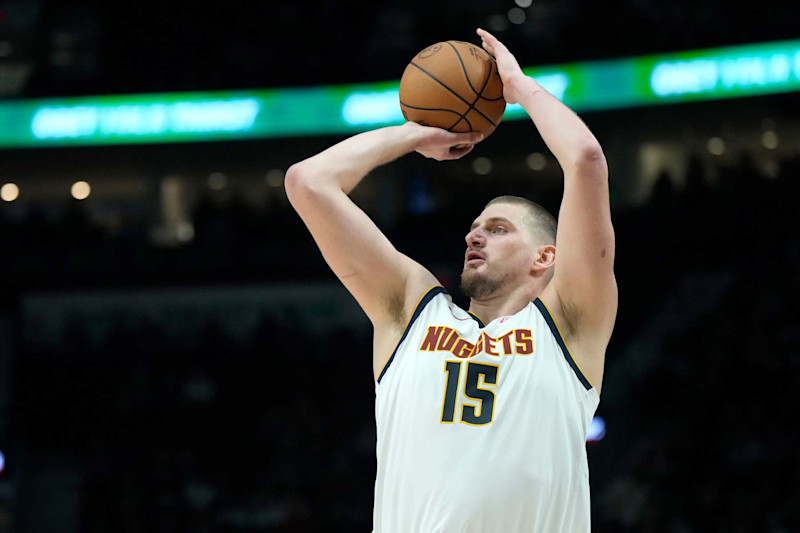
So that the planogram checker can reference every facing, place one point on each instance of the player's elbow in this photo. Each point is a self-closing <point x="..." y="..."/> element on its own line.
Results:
<point x="590" y="159"/>
<point x="294" y="176"/>
<point x="591" y="151"/>
<point x="297" y="184"/>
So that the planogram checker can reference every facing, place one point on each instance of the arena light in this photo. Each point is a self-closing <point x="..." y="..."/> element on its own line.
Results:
<point x="516" y="15"/>
<point x="769" y="139"/>
<point x="9" y="192"/>
<point x="363" y="108"/>
<point x="217" y="181"/>
<point x="536" y="161"/>
<point x="184" y="231"/>
<point x="274" y="178"/>
<point x="482" y="166"/>
<point x="80" y="190"/>
<point x="597" y="430"/>
<point x="731" y="72"/>
<point x="716" y="146"/>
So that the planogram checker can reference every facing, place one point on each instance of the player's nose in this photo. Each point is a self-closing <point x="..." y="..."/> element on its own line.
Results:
<point x="475" y="238"/>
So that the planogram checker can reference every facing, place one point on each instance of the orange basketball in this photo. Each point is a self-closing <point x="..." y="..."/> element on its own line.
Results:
<point x="455" y="86"/>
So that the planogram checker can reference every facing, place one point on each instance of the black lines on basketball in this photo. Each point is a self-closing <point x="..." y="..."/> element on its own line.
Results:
<point x="485" y="82"/>
<point x="449" y="91"/>
<point x="492" y="70"/>
<point x="434" y="78"/>
<point x="471" y="106"/>
<point x="431" y="109"/>
<point x="478" y="97"/>
<point x="464" y="68"/>
<point x="492" y="66"/>
<point x="465" y="119"/>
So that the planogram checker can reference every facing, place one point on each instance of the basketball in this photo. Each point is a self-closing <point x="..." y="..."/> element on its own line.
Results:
<point x="453" y="85"/>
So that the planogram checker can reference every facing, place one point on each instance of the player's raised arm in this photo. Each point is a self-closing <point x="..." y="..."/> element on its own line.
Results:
<point x="369" y="266"/>
<point x="583" y="281"/>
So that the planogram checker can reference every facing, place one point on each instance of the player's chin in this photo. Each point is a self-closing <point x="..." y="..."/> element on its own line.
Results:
<point x="470" y="272"/>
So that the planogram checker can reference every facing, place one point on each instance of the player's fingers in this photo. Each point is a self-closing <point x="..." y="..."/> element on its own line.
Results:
<point x="488" y="38"/>
<point x="458" y="139"/>
<point x="457" y="153"/>
<point x="471" y="137"/>
<point x="483" y="33"/>
<point x="491" y="44"/>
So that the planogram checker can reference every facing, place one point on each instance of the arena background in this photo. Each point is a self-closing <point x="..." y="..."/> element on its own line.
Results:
<point x="176" y="356"/>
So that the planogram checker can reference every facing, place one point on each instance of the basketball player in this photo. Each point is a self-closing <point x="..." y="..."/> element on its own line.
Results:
<point x="482" y="414"/>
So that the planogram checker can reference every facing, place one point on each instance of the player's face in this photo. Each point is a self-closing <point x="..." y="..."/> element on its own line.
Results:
<point x="499" y="251"/>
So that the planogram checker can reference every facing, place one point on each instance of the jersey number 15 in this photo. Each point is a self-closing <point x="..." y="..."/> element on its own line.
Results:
<point x="478" y="374"/>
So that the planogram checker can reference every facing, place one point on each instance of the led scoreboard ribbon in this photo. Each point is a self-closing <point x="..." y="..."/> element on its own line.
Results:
<point x="731" y="72"/>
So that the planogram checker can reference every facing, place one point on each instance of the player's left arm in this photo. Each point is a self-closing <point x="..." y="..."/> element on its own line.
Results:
<point x="583" y="291"/>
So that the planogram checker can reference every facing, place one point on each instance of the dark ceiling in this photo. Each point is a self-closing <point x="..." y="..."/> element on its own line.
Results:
<point x="125" y="46"/>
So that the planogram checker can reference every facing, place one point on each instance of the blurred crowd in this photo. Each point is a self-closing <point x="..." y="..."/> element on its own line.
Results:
<point x="271" y="434"/>
<point x="713" y="434"/>
<point x="87" y="47"/>
<point x="274" y="431"/>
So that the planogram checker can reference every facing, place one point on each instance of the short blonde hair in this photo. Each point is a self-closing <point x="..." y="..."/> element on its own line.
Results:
<point x="540" y="223"/>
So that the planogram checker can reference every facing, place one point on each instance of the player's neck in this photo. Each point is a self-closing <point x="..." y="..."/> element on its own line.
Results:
<point x="503" y="302"/>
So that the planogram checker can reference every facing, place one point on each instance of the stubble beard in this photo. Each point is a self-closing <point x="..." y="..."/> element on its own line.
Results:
<point x="478" y="285"/>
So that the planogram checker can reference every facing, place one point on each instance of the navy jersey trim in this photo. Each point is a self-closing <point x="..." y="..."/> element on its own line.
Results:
<point x="477" y="319"/>
<point x="417" y="311"/>
<point x="560" y="340"/>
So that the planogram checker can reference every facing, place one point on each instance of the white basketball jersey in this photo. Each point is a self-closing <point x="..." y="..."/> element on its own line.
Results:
<point x="482" y="428"/>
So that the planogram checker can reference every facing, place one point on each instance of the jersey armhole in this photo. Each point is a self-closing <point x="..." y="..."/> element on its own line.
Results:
<point x="427" y="297"/>
<point x="563" y="345"/>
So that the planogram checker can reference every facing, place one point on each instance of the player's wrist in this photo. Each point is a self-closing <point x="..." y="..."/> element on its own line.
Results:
<point x="412" y="135"/>
<point x="524" y="86"/>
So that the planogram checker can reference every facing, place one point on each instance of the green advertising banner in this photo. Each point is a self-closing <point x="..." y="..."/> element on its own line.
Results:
<point x="737" y="71"/>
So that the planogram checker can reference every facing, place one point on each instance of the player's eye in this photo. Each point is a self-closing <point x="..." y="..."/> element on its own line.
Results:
<point x="499" y="229"/>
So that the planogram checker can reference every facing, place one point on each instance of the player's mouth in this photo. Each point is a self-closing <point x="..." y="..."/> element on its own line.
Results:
<point x="475" y="258"/>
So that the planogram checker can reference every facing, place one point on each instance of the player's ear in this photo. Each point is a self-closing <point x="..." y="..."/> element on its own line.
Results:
<point x="544" y="258"/>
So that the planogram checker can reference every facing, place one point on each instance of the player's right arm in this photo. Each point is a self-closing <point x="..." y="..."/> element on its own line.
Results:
<point x="382" y="280"/>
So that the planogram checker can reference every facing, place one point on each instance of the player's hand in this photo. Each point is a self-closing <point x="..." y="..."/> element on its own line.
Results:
<point x="440" y="144"/>
<point x="514" y="80"/>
